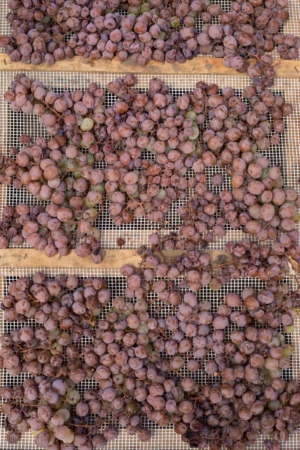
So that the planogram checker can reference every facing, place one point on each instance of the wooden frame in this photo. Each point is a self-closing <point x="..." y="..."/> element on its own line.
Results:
<point x="113" y="259"/>
<point x="284" y="68"/>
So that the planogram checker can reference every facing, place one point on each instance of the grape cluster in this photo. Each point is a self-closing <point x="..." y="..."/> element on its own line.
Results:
<point x="265" y="262"/>
<point x="258" y="203"/>
<point x="7" y="169"/>
<point x="248" y="395"/>
<point x="154" y="148"/>
<point x="65" y="309"/>
<point x="192" y="271"/>
<point x="139" y="155"/>
<point x="143" y="366"/>
<point x="56" y="413"/>
<point x="153" y="30"/>
<point x="166" y="275"/>
<point x="245" y="373"/>
<point x="41" y="229"/>
<point x="136" y="186"/>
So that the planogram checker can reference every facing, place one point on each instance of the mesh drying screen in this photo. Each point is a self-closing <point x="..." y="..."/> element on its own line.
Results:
<point x="136" y="233"/>
<point x="14" y="124"/>
<point x="163" y="439"/>
<point x="292" y="26"/>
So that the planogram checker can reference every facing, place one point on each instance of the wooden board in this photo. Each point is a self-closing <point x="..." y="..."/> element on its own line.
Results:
<point x="113" y="259"/>
<point x="199" y="66"/>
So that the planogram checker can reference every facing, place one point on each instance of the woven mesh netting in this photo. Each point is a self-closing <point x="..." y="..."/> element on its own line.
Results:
<point x="136" y="233"/>
<point x="292" y="26"/>
<point x="162" y="439"/>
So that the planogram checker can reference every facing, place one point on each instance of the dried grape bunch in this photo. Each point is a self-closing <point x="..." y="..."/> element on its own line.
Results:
<point x="149" y="123"/>
<point x="237" y="415"/>
<point x="10" y="228"/>
<point x="244" y="258"/>
<point x="145" y="376"/>
<point x="251" y="396"/>
<point x="56" y="413"/>
<point x="136" y="186"/>
<point x="265" y="262"/>
<point x="136" y="361"/>
<point x="245" y="32"/>
<point x="152" y="31"/>
<point x="194" y="328"/>
<point x="184" y="239"/>
<point x="70" y="186"/>
<point x="42" y="230"/>
<point x="81" y="299"/>
<point x="65" y="309"/>
<point x="238" y="128"/>
<point x="68" y="114"/>
<point x="122" y="354"/>
<point x="258" y="203"/>
<point x="238" y="125"/>
<point x="24" y="224"/>
<point x="275" y="306"/>
<point x="194" y="268"/>
<point x="154" y="148"/>
<point x="8" y="170"/>
<point x="166" y="277"/>
<point x="40" y="352"/>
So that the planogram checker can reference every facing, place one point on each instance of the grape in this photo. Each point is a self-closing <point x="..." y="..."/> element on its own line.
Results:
<point x="193" y="365"/>
<point x="99" y="441"/>
<point x="31" y="393"/>
<point x="232" y="300"/>
<point x="26" y="334"/>
<point x="110" y="433"/>
<point x="211" y="367"/>
<point x="82" y="409"/>
<point x="64" y="434"/>
<point x="13" y="437"/>
<point x="220" y="322"/>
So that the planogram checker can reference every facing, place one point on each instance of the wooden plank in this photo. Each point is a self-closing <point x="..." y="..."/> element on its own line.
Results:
<point x="196" y="66"/>
<point x="113" y="259"/>
<point x="135" y="238"/>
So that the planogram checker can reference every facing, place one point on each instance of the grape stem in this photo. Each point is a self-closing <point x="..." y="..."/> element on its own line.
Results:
<point x="53" y="110"/>
<point x="225" y="264"/>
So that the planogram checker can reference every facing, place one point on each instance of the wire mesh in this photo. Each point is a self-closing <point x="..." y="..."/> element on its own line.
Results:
<point x="292" y="26"/>
<point x="135" y="234"/>
<point x="162" y="439"/>
<point x="286" y="154"/>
